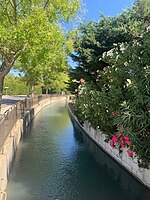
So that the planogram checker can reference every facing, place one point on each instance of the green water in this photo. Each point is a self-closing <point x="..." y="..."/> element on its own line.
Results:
<point x="57" y="161"/>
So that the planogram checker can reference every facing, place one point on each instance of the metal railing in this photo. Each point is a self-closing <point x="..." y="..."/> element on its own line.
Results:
<point x="10" y="117"/>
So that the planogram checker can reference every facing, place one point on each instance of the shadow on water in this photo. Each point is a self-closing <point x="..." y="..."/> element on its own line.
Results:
<point x="115" y="182"/>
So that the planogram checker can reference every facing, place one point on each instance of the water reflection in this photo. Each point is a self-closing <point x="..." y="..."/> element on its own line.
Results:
<point x="116" y="183"/>
<point x="56" y="161"/>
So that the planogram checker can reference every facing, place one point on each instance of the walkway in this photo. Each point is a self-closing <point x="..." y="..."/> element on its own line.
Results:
<point x="8" y="101"/>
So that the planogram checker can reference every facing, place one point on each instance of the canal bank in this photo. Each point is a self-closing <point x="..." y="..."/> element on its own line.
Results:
<point x="13" y="139"/>
<point x="128" y="163"/>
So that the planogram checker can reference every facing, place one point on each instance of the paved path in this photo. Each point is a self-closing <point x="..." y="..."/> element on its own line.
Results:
<point x="8" y="101"/>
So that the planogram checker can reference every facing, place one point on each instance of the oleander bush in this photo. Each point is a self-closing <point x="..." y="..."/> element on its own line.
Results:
<point x="117" y="98"/>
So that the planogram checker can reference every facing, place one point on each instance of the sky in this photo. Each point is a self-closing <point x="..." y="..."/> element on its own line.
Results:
<point x="91" y="10"/>
<point x="106" y="7"/>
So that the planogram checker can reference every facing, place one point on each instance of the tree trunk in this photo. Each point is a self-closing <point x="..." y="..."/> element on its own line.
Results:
<point x="46" y="90"/>
<point x="1" y="90"/>
<point x="32" y="90"/>
<point x="5" y="68"/>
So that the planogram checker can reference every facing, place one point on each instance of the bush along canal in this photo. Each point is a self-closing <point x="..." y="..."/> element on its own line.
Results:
<point x="56" y="160"/>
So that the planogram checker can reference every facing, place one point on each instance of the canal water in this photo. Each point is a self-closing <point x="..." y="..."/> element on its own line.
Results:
<point x="56" y="161"/>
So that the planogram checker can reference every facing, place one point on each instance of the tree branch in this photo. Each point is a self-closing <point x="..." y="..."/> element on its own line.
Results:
<point x="18" y="52"/>
<point x="19" y="2"/>
<point x="15" y="11"/>
<point x="9" y="18"/>
<point x="6" y="66"/>
<point x="11" y="3"/>
<point x="46" y="4"/>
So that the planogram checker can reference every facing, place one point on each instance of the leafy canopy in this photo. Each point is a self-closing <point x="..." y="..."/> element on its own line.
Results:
<point x="29" y="28"/>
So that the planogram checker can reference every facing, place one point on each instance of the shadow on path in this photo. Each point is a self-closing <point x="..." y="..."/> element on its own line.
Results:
<point x="9" y="101"/>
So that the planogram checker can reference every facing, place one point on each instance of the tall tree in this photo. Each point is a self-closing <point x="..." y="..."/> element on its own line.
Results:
<point x="58" y="81"/>
<point x="95" y="38"/>
<point x="39" y="64"/>
<point x="21" y="27"/>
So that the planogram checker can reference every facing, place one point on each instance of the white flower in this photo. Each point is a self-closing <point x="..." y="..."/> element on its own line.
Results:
<point x="124" y="103"/>
<point x="126" y="64"/>
<point x="110" y="53"/>
<point x="128" y="82"/>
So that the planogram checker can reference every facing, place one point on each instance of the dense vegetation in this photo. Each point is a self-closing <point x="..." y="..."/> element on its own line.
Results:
<point x="16" y="85"/>
<point x="113" y="57"/>
<point x="32" y="39"/>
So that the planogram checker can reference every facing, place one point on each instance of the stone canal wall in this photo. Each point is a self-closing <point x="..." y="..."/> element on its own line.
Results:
<point x="128" y="163"/>
<point x="12" y="141"/>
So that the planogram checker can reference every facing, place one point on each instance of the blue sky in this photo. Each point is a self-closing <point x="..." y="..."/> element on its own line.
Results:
<point x="106" y="7"/>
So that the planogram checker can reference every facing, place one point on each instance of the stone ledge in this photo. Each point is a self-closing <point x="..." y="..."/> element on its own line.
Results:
<point x="141" y="174"/>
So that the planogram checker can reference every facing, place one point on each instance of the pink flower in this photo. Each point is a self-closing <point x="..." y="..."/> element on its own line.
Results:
<point x="82" y="80"/>
<point x="122" y="142"/>
<point x="126" y="137"/>
<point x="112" y="144"/>
<point x="115" y="138"/>
<point x="113" y="113"/>
<point x="127" y="140"/>
<point x="148" y="111"/>
<point x="130" y="153"/>
<point x="122" y="113"/>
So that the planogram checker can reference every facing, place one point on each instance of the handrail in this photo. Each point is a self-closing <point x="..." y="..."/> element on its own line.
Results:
<point x="6" y="112"/>
<point x="10" y="117"/>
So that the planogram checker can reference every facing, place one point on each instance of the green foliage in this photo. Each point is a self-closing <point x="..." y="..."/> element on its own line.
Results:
<point x="58" y="81"/>
<point x="93" y="39"/>
<point x="136" y="98"/>
<point x="92" y="105"/>
<point x="16" y="85"/>
<point x="117" y="98"/>
<point x="29" y="33"/>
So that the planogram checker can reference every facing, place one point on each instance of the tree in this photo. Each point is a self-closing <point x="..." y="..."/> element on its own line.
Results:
<point x="119" y="105"/>
<point x="22" y="25"/>
<point x="95" y="38"/>
<point x="39" y="64"/>
<point x="58" y="81"/>
<point x="16" y="85"/>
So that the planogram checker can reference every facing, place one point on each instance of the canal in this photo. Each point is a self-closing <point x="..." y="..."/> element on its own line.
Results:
<point x="56" y="161"/>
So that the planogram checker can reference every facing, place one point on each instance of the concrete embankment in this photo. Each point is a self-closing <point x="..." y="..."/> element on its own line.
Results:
<point x="128" y="163"/>
<point x="12" y="141"/>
